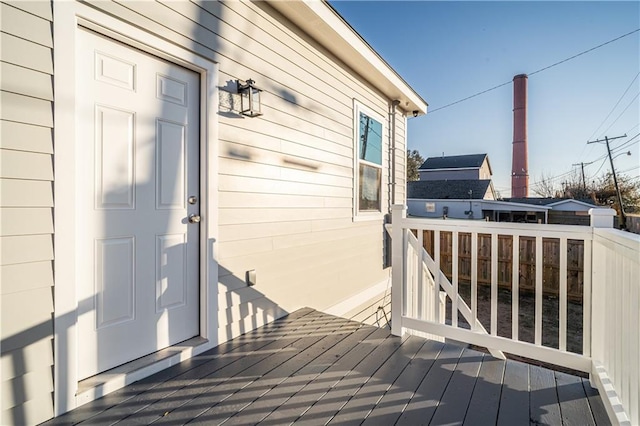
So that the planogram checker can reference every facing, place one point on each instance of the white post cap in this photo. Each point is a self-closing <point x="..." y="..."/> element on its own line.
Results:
<point x="602" y="218"/>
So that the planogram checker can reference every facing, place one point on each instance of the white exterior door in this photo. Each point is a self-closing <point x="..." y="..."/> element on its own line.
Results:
<point x="138" y="184"/>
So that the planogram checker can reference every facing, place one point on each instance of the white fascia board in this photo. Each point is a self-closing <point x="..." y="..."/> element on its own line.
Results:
<point x="448" y="169"/>
<point x="571" y="201"/>
<point x="516" y="206"/>
<point x="327" y="27"/>
<point x="485" y="204"/>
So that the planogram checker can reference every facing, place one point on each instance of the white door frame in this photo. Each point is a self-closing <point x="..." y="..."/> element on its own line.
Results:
<point x="68" y="16"/>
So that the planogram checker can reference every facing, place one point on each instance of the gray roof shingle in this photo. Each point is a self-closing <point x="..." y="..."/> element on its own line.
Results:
<point x="454" y="162"/>
<point x="448" y="189"/>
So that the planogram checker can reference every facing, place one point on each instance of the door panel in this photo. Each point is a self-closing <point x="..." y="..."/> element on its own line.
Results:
<point x="138" y="159"/>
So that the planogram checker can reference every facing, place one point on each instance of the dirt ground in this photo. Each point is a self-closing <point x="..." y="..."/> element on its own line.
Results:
<point x="526" y="317"/>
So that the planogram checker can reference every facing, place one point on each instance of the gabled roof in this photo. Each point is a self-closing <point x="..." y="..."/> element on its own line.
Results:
<point x="448" y="189"/>
<point x="583" y="203"/>
<point x="327" y="27"/>
<point x="472" y="161"/>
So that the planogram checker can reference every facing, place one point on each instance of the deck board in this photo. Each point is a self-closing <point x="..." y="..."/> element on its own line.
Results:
<point x="485" y="400"/>
<point x="368" y="396"/>
<point x="544" y="397"/>
<point x="574" y="406"/>
<point x="455" y="400"/>
<point x="425" y="401"/>
<point x="514" y="401"/>
<point x="596" y="404"/>
<point x="316" y="379"/>
<point x="313" y="368"/>
<point x="338" y="396"/>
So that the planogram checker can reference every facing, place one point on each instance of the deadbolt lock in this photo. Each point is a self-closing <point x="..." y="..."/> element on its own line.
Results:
<point x="193" y="199"/>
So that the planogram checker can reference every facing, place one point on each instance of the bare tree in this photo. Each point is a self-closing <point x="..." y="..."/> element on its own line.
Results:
<point x="544" y="187"/>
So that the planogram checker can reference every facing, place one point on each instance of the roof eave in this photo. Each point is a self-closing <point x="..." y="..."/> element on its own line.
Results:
<point x="318" y="19"/>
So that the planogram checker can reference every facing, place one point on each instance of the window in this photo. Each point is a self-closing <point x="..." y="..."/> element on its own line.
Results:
<point x="369" y="131"/>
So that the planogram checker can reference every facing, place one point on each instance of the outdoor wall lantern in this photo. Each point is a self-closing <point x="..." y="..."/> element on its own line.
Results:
<point x="249" y="98"/>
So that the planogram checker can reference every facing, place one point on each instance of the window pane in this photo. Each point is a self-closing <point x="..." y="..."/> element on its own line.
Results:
<point x="369" y="191"/>
<point x="370" y="139"/>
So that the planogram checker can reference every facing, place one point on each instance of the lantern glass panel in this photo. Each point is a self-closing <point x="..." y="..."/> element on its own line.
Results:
<point x="255" y="100"/>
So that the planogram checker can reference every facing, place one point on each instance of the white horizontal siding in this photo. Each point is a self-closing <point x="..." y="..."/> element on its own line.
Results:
<point x="26" y="165"/>
<point x="40" y="8"/>
<point x="18" y="51"/>
<point x="17" y="79"/>
<point x="26" y="276"/>
<point x="25" y="25"/>
<point x="25" y="137"/>
<point x="26" y="193"/>
<point x="26" y="201"/>
<point x="25" y="221"/>
<point x="25" y="109"/>
<point x="286" y="178"/>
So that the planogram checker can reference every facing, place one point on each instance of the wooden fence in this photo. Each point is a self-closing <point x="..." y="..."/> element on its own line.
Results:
<point x="551" y="262"/>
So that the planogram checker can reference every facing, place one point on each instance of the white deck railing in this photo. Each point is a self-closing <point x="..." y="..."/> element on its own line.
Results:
<point x="609" y="296"/>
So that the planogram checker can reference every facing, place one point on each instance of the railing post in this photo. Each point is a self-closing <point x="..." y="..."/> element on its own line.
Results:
<point x="398" y="249"/>
<point x="600" y="218"/>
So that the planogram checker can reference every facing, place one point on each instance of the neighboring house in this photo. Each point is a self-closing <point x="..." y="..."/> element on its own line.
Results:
<point x="179" y="222"/>
<point x="563" y="211"/>
<point x="524" y="210"/>
<point x="451" y="187"/>
<point x="461" y="177"/>
<point x="476" y="209"/>
<point x="456" y="167"/>
<point x="466" y="189"/>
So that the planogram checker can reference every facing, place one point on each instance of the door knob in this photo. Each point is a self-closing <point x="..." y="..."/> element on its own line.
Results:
<point x="194" y="218"/>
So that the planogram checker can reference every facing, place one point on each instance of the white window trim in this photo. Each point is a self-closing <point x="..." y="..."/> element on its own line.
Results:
<point x="68" y="16"/>
<point x="367" y="215"/>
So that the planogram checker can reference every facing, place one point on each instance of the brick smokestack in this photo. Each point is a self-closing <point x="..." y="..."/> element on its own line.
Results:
<point x="519" y="163"/>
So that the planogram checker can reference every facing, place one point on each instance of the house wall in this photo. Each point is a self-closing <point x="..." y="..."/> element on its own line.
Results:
<point x="452" y="174"/>
<point x="457" y="208"/>
<point x="285" y="179"/>
<point x="485" y="171"/>
<point x="26" y="202"/>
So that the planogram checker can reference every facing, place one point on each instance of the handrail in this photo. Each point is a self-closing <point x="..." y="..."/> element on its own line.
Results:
<point x="609" y="269"/>
<point x="448" y="288"/>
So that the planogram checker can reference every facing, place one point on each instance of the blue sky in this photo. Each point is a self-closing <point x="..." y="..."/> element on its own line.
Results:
<point x="449" y="50"/>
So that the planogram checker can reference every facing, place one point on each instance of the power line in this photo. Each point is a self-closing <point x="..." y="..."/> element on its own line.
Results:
<point x="604" y="160"/>
<point x="603" y="157"/>
<point x="623" y="111"/>
<point x="626" y="144"/>
<point x="469" y="97"/>
<point x="615" y="106"/>
<point x="552" y="178"/>
<point x="636" y="125"/>
<point x="586" y="51"/>
<point x="535" y="72"/>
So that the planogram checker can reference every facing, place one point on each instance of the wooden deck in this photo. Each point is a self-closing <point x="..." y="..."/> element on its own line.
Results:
<point x="313" y="368"/>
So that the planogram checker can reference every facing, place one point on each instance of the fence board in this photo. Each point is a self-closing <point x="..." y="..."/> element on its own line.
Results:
<point x="527" y="265"/>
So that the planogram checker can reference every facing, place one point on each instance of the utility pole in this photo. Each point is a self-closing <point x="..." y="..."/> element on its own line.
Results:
<point x="623" y="217"/>
<point x="584" y="184"/>
<point x="364" y="137"/>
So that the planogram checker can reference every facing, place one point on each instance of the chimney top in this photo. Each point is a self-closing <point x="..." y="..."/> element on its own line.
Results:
<point x="521" y="76"/>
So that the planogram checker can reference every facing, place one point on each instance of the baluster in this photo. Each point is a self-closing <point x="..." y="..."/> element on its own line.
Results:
<point x="454" y="276"/>
<point x="563" y="294"/>
<point x="538" y="309"/>
<point x="474" y="280"/>
<point x="436" y="287"/>
<point x="494" y="284"/>
<point x="515" y="283"/>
